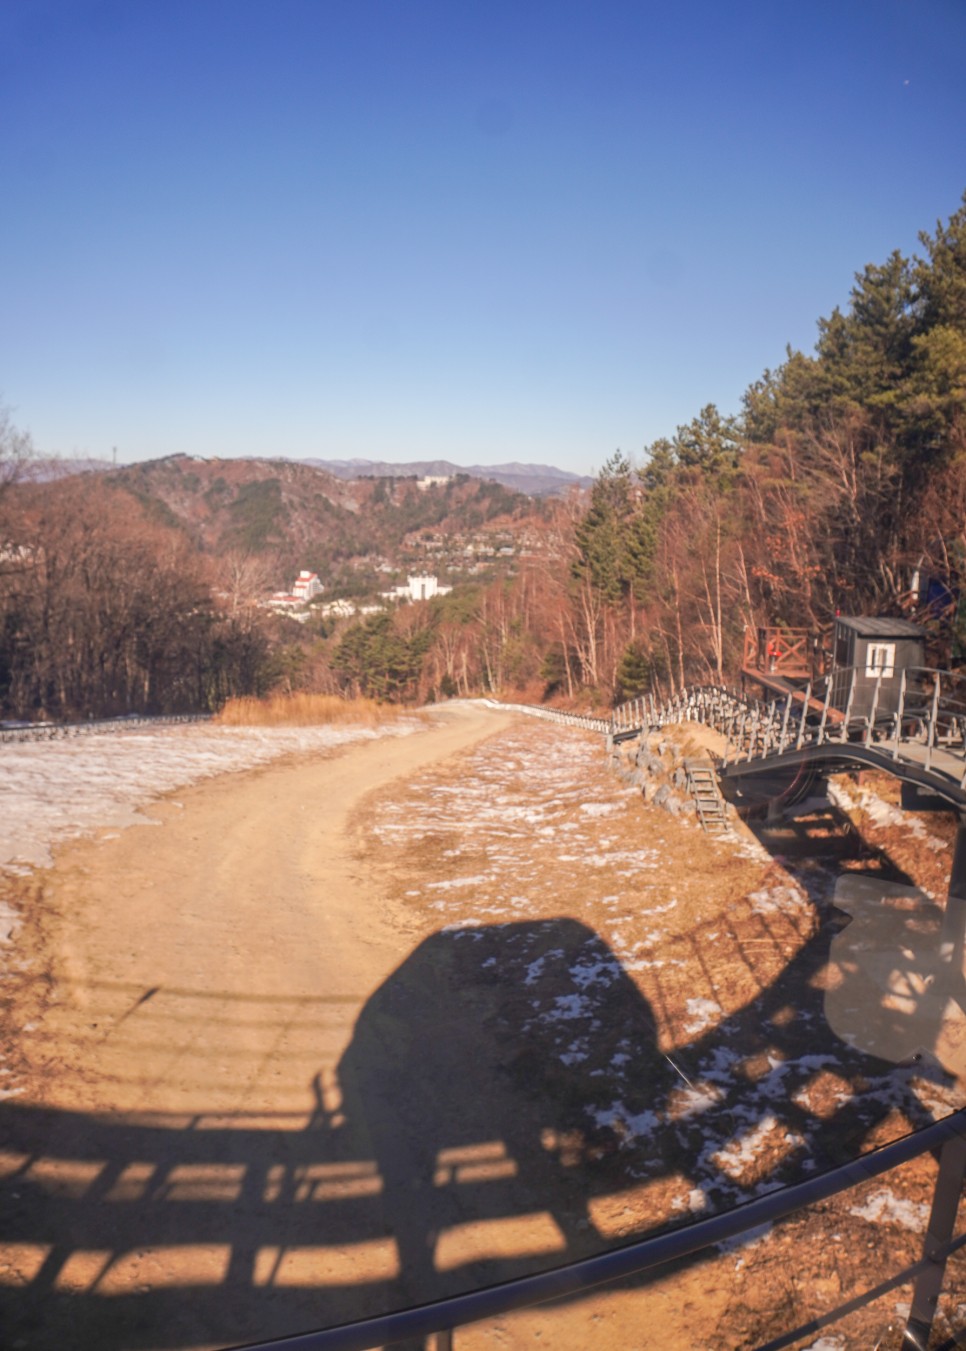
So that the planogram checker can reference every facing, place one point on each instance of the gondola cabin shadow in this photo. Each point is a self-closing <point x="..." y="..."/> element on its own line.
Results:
<point x="469" y="1079"/>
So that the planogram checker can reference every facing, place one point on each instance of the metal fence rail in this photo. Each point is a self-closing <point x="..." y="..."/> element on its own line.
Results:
<point x="56" y="731"/>
<point x="441" y="1317"/>
<point x="927" y="728"/>
<point x="591" y="722"/>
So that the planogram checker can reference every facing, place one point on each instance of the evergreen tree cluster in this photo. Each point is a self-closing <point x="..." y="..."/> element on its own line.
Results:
<point x="844" y="473"/>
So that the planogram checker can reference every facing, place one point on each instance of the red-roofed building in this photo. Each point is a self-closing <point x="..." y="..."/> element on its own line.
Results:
<point x="307" y="585"/>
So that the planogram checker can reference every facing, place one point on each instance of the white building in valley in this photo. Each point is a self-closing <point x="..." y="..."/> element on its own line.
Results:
<point x="338" y="609"/>
<point x="423" y="586"/>
<point x="307" y="585"/>
<point x="293" y="603"/>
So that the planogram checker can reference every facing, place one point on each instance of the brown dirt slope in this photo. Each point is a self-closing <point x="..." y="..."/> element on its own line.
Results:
<point x="440" y="1010"/>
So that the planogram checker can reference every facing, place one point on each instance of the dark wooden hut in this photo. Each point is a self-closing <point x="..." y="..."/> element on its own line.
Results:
<point x="877" y="651"/>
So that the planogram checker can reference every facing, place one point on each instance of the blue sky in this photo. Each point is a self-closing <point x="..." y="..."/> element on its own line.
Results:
<point x="535" y="231"/>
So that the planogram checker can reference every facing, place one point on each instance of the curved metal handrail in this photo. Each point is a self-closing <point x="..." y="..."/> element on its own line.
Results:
<point x="926" y="727"/>
<point x="494" y="1301"/>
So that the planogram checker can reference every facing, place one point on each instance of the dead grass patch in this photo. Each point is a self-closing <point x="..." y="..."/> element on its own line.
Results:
<point x="306" y="710"/>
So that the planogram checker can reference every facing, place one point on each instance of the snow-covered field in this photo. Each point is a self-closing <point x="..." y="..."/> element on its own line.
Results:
<point x="54" y="791"/>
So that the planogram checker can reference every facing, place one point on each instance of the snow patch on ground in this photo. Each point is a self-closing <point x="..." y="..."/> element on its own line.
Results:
<point x="740" y="1154"/>
<point x="568" y="1006"/>
<point x="777" y="900"/>
<point x="52" y="791"/>
<point x="602" y="808"/>
<point x="695" y="1201"/>
<point x="535" y="969"/>
<point x="603" y="972"/>
<point x="454" y="883"/>
<point x="882" y="813"/>
<point x="695" y="1101"/>
<point x="629" y="1125"/>
<point x="885" y="1208"/>
<point x="702" y="1013"/>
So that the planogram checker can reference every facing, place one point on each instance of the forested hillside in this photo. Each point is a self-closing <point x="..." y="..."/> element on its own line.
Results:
<point x="139" y="589"/>
<point x="845" y="470"/>
<point x="300" y="516"/>
<point x="843" y="473"/>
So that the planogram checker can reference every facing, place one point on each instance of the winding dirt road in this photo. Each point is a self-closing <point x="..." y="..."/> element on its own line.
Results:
<point x="314" y="1044"/>
<point x="181" y="1169"/>
<point x="205" y="981"/>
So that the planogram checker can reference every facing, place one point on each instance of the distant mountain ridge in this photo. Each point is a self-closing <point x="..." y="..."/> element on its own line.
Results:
<point x="352" y="531"/>
<point x="46" y="468"/>
<point x="536" y="480"/>
<point x="533" y="480"/>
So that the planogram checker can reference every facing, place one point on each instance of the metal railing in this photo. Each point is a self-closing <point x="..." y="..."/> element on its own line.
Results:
<point x="443" y="1316"/>
<point x="591" y="721"/>
<point x="55" y="731"/>
<point x="715" y="705"/>
<point x="926" y="725"/>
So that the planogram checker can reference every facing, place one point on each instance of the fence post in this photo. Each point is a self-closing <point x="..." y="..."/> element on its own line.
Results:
<point x="828" y="698"/>
<point x="870" y="722"/>
<point x="931" y="739"/>
<point x="766" y="730"/>
<point x="848" y="706"/>
<point x="784" y="731"/>
<point x="802" y="720"/>
<point x="901" y="710"/>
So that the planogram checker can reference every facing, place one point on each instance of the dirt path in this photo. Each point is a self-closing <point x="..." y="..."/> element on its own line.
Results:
<point x="204" y="981"/>
<point x="217" y="964"/>
<point x="329" y="1040"/>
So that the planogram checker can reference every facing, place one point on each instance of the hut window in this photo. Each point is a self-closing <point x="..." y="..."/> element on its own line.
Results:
<point x="880" y="660"/>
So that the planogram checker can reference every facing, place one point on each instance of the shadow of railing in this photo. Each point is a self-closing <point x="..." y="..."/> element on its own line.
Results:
<point x="502" y="1082"/>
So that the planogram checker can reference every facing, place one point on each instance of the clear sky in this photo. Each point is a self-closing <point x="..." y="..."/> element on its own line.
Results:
<point x="525" y="230"/>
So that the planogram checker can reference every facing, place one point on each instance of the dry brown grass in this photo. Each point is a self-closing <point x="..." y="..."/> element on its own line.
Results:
<point x="305" y="710"/>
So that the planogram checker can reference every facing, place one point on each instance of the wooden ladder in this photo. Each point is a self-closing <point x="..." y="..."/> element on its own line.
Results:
<point x="703" y="787"/>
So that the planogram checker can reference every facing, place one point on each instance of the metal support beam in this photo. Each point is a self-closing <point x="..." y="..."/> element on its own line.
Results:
<point x="954" y="920"/>
<point x="933" y="718"/>
<point x="899" y="712"/>
<point x="942" y="1222"/>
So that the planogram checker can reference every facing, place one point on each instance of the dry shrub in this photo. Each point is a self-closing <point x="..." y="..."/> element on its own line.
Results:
<point x="304" y="710"/>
